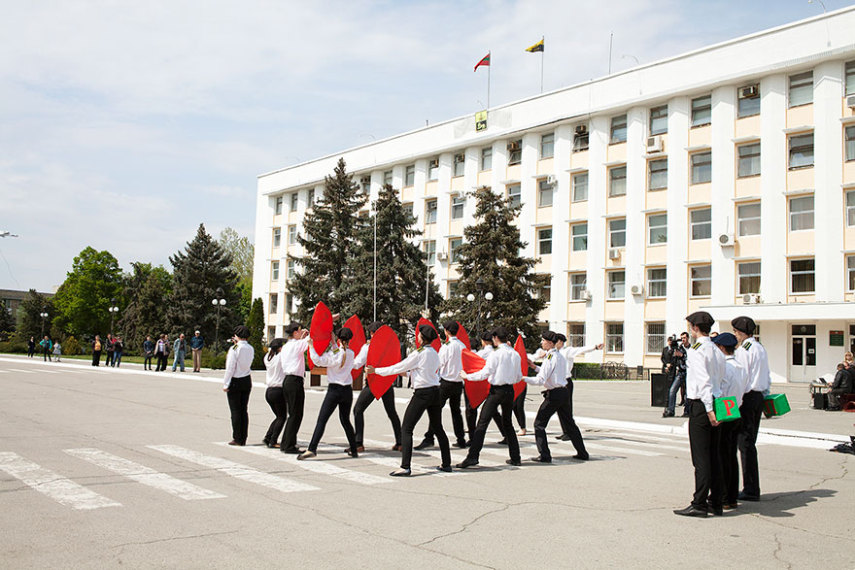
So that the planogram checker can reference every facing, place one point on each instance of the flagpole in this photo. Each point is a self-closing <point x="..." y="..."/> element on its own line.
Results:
<point x="542" y="55"/>
<point x="489" y="67"/>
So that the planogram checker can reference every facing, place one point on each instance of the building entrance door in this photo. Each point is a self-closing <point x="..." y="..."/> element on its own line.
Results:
<point x="803" y="353"/>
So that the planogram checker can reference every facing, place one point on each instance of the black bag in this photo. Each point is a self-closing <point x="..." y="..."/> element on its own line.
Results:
<point x="820" y="401"/>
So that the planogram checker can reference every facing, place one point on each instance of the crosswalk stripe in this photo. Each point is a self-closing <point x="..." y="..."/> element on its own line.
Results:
<point x="234" y="469"/>
<point x="317" y="466"/>
<point x="591" y="445"/>
<point x="145" y="475"/>
<point x="60" y="489"/>
<point x="659" y="446"/>
<point x="21" y="371"/>
<point x="395" y="463"/>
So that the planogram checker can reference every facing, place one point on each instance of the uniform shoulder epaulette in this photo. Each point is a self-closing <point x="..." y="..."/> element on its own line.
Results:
<point x="696" y="346"/>
<point x="549" y="357"/>
<point x="335" y="350"/>
<point x="421" y="348"/>
<point x="746" y="345"/>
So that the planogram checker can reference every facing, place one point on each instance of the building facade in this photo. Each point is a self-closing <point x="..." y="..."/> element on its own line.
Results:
<point x="722" y="180"/>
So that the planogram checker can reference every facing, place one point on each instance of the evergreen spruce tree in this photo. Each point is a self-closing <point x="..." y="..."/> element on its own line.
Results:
<point x="402" y="273"/>
<point x="145" y="313"/>
<point x="7" y="323"/>
<point x="490" y="252"/>
<point x="255" y="323"/>
<point x="29" y="315"/>
<point x="328" y="239"/>
<point x="198" y="272"/>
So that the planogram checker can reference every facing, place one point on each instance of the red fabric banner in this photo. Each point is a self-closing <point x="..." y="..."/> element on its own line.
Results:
<point x="383" y="350"/>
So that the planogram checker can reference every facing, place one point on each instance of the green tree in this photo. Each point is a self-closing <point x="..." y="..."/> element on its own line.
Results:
<point x="402" y="273"/>
<point x="201" y="273"/>
<point x="145" y="290"/>
<point x="7" y="323"/>
<point x="490" y="252"/>
<point x="29" y="315"/>
<point x="329" y="228"/>
<point x="243" y="258"/>
<point x="83" y="300"/>
<point x="255" y="323"/>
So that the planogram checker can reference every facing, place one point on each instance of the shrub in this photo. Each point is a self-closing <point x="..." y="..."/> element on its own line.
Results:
<point x="71" y="346"/>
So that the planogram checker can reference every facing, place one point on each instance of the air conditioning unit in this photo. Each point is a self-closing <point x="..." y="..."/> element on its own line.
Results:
<point x="614" y="253"/>
<point x="514" y="145"/>
<point x="749" y="92"/>
<point x="750" y="299"/>
<point x="636" y="290"/>
<point x="850" y="101"/>
<point x="726" y="240"/>
<point x="552" y="180"/>
<point x="585" y="295"/>
<point x="654" y="144"/>
<point x="582" y="130"/>
<point x="434" y="163"/>
<point x="442" y="256"/>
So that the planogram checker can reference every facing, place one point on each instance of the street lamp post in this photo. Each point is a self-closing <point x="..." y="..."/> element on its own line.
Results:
<point x="113" y="310"/>
<point x="481" y="295"/>
<point x="43" y="315"/>
<point x="218" y="303"/>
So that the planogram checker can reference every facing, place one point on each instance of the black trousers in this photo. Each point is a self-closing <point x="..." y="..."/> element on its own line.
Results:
<point x="275" y="397"/>
<point x="704" y="443"/>
<point x="363" y="401"/>
<point x="500" y="397"/>
<point x="96" y="357"/>
<point x="472" y="418"/>
<point x="751" y="411"/>
<point x="430" y="400"/>
<point x="568" y="425"/>
<point x="519" y="408"/>
<point x="728" y="460"/>
<point x="296" y="398"/>
<point x="147" y="361"/>
<point x="451" y="392"/>
<point x="161" y="361"/>
<point x="47" y="355"/>
<point x="555" y="401"/>
<point x="341" y="397"/>
<point x="238" y="396"/>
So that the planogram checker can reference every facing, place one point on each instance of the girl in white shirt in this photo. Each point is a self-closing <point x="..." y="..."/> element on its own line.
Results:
<point x="275" y="396"/>
<point x="339" y="363"/>
<point x="424" y="364"/>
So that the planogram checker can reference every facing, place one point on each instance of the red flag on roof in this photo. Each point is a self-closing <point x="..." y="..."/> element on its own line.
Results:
<point x="484" y="61"/>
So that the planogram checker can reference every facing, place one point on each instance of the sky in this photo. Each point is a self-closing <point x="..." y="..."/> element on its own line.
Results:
<point x="124" y="125"/>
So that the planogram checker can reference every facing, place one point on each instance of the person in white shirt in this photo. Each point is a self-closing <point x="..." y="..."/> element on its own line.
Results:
<point x="450" y="383"/>
<point x="338" y="360"/>
<point x="569" y="430"/>
<point x="237" y="383"/>
<point x="366" y="397"/>
<point x="704" y="371"/>
<point x="503" y="369"/>
<point x="424" y="364"/>
<point x="552" y="375"/>
<point x="274" y="395"/>
<point x="732" y="386"/>
<point x="487" y="348"/>
<point x="752" y="356"/>
<point x="294" y="365"/>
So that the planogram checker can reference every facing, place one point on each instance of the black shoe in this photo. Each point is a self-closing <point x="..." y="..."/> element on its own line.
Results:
<point x="667" y="414"/>
<point x="424" y="444"/>
<point x="582" y="457"/>
<point x="444" y="468"/>
<point x="565" y="437"/>
<point x="683" y="403"/>
<point x="541" y="459"/>
<point x="504" y="441"/>
<point x="461" y="443"/>
<point x="559" y="436"/>
<point x="743" y="497"/>
<point x="514" y="462"/>
<point x="715" y="510"/>
<point x="685" y="415"/>
<point x="292" y="451"/>
<point x="691" y="511"/>
<point x="400" y="473"/>
<point x="467" y="463"/>
<point x="272" y="445"/>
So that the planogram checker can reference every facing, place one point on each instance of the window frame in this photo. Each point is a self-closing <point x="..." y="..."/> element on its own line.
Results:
<point x="454" y="249"/>
<point x="794" y="215"/>
<point x="292" y="234"/>
<point x="700" y="279"/>
<point x="849" y="78"/>
<point x="700" y="170"/>
<point x="747" y="110"/>
<point x="576" y="186"/>
<point x="579" y="236"/>
<point x="662" y="228"/>
<point x="657" y="285"/>
<point x="617" y="181"/>
<point x="547" y="146"/>
<point x="659" y="338"/>
<point x="433" y="171"/>
<point x="658" y="120"/>
<point x="746" y="279"/>
<point x="575" y="336"/>
<point x="515" y="156"/>
<point x="848" y="143"/>
<point x="792" y="275"/>
<point x="582" y="141"/>
<point x="615" y="232"/>
<point x="458" y="204"/>
<point x="274" y="271"/>
<point x="796" y="150"/>
<point x="409" y="176"/>
<point x="614" y="338"/>
<point x="800" y="88"/>
<point x="743" y="221"/>
<point x="431" y="210"/>
<point x="277" y="237"/>
<point x="697" y="119"/>
<point x="749" y="160"/>
<point x="618" y="130"/>
<point x="294" y="202"/>
<point x="694" y="224"/>
<point x="850" y="273"/>
<point x="613" y="286"/>
<point x="486" y="158"/>
<point x="278" y="205"/>
<point x="544" y="242"/>
<point x="273" y="303"/>
<point x="459" y="165"/>
<point x="849" y="205"/>
<point x="430" y="252"/>
<point x="576" y="288"/>
<point x="388" y="177"/>
<point x="290" y="269"/>
<point x="659" y="168"/>
<point x="544" y="189"/>
<point x="516" y="197"/>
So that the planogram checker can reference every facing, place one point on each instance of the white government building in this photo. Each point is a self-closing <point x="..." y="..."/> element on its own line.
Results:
<point x="722" y="179"/>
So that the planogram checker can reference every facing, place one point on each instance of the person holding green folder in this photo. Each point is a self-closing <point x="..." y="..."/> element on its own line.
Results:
<point x="732" y="386"/>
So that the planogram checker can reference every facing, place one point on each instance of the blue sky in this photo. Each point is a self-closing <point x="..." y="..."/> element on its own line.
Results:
<point x="125" y="125"/>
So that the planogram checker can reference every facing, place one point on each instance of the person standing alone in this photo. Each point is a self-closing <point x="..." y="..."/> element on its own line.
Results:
<point x="180" y="349"/>
<point x="197" y="343"/>
<point x="237" y="383"/>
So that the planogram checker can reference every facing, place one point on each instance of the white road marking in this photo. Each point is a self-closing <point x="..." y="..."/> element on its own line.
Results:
<point x="18" y="370"/>
<point x="234" y="469"/>
<point x="60" y="489"/>
<point x="144" y="475"/>
<point x="317" y="465"/>
<point x="395" y="462"/>
<point x="592" y="445"/>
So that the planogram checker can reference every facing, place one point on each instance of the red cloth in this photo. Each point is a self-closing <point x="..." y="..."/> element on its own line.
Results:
<point x="519" y="346"/>
<point x="383" y="350"/>
<point x="436" y="344"/>
<point x="476" y="390"/>
<point x="358" y="340"/>
<point x="463" y="336"/>
<point x="321" y="329"/>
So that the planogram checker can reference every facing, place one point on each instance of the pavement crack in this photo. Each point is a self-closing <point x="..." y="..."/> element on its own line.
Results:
<point x="466" y="526"/>
<point x="170" y="539"/>
<point x="777" y="552"/>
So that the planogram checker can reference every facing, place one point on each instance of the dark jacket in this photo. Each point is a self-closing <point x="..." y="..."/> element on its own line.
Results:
<point x="842" y="382"/>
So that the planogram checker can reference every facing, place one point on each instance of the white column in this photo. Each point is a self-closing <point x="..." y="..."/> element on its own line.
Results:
<point x="560" y="228"/>
<point x="721" y="193"/>
<point x="774" y="282"/>
<point x="597" y="238"/>
<point x="443" y="217"/>
<point x="636" y="234"/>
<point x="678" y="250"/>
<point x="828" y="177"/>
<point x="528" y="193"/>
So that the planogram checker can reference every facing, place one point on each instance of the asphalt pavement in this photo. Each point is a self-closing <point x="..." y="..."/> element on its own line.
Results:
<point x="104" y="467"/>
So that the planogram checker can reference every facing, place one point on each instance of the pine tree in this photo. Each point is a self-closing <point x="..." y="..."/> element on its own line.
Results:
<point x="201" y="273"/>
<point x="145" y="313"/>
<point x="29" y="315"/>
<point x="255" y="324"/>
<point x="490" y="252"/>
<point x="7" y="323"/>
<point x="329" y="237"/>
<point x="402" y="274"/>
